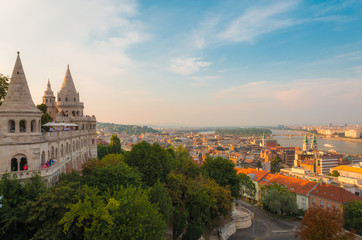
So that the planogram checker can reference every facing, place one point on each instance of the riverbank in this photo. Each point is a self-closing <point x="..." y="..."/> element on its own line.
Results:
<point x="359" y="140"/>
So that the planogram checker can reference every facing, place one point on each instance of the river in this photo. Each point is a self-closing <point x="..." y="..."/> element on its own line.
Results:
<point x="340" y="146"/>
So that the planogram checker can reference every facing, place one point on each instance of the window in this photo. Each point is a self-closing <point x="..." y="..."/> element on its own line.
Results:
<point x="66" y="99"/>
<point x="11" y="126"/>
<point x="92" y="141"/>
<point x="313" y="201"/>
<point x="42" y="158"/>
<point x="321" y="203"/>
<point x="22" y="126"/>
<point x="61" y="150"/>
<point x="328" y="205"/>
<point x="75" y="99"/>
<point x="32" y="126"/>
<point x="59" y="99"/>
<point x="14" y="164"/>
<point x="23" y="164"/>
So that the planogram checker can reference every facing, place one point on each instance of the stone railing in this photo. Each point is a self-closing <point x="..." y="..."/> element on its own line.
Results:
<point x="67" y="104"/>
<point x="53" y="136"/>
<point x="75" y="119"/>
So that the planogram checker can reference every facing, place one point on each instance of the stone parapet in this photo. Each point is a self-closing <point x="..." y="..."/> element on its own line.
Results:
<point x="70" y="104"/>
<point x="76" y="119"/>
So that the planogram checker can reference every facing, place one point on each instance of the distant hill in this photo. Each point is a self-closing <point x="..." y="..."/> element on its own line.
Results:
<point x="244" y="132"/>
<point x="129" y="129"/>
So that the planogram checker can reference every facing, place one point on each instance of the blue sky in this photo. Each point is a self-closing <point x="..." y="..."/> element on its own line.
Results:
<point x="194" y="63"/>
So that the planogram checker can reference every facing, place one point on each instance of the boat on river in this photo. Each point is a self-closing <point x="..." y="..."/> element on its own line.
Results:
<point x="328" y="145"/>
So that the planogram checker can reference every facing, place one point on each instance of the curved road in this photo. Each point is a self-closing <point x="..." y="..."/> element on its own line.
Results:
<point x="266" y="226"/>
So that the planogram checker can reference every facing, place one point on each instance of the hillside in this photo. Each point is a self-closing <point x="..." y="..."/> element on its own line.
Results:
<point x="129" y="129"/>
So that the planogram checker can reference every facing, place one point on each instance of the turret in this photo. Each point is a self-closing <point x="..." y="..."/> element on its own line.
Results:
<point x="314" y="143"/>
<point x="69" y="104"/>
<point x="19" y="117"/>
<point x="305" y="143"/>
<point x="49" y="100"/>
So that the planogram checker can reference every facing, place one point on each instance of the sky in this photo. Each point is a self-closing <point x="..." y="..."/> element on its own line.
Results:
<point x="193" y="63"/>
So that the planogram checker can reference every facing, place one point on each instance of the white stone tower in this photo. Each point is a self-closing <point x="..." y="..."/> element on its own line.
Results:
<point x="68" y="103"/>
<point x="49" y="100"/>
<point x="19" y="124"/>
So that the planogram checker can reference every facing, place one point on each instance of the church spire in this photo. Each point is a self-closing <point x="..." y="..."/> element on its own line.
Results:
<point x="68" y="84"/>
<point x="18" y="97"/>
<point x="49" y="91"/>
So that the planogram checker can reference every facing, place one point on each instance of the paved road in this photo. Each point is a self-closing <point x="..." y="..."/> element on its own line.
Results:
<point x="266" y="227"/>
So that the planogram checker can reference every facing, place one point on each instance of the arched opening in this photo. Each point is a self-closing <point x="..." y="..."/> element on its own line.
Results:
<point x="39" y="126"/>
<point x="52" y="154"/>
<point x="23" y="164"/>
<point x="75" y="99"/>
<point x="73" y="146"/>
<point x="66" y="99"/>
<point x="42" y="158"/>
<point x="92" y="141"/>
<point x="78" y="113"/>
<point x="14" y="164"/>
<point x="82" y="126"/>
<point x="11" y="126"/>
<point x="22" y="126"/>
<point x="73" y="113"/>
<point x="56" y="153"/>
<point x="61" y="151"/>
<point x="32" y="126"/>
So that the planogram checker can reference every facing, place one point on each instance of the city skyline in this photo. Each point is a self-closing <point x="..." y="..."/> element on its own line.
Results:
<point x="204" y="63"/>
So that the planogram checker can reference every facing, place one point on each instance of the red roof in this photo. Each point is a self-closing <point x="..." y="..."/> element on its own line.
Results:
<point x="296" y="185"/>
<point x="334" y="193"/>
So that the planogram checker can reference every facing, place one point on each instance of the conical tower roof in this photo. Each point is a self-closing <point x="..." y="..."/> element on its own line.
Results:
<point x="48" y="91"/>
<point x="18" y="98"/>
<point x="68" y="84"/>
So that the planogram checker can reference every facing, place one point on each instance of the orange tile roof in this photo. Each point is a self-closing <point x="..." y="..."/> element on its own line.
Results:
<point x="258" y="174"/>
<point x="296" y="185"/>
<point x="348" y="169"/>
<point x="334" y="193"/>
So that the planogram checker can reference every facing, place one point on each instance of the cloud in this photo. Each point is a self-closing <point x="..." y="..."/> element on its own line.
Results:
<point x="188" y="65"/>
<point x="257" y="21"/>
<point x="202" y="80"/>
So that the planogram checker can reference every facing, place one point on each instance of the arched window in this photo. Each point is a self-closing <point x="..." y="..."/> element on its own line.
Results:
<point x="39" y="126"/>
<point x="73" y="113"/>
<point x="11" y="126"/>
<point x="22" y="126"/>
<point x="52" y="155"/>
<point x="75" y="99"/>
<point x="42" y="158"/>
<point x="14" y="164"/>
<point x="66" y="99"/>
<point x="61" y="150"/>
<point x="56" y="153"/>
<point x="59" y="99"/>
<point x="66" y="150"/>
<point x="82" y="126"/>
<point x="32" y="126"/>
<point x="73" y="146"/>
<point x="23" y="164"/>
<point x="92" y="141"/>
<point x="46" y="100"/>
<point x="78" y="113"/>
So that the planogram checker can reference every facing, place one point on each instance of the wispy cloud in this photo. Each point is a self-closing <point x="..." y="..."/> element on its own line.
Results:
<point x="188" y="65"/>
<point x="202" y="80"/>
<point x="257" y="21"/>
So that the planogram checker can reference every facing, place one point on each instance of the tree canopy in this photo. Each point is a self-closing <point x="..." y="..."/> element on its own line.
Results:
<point x="323" y="224"/>
<point x="4" y="84"/>
<point x="223" y="172"/>
<point x="353" y="215"/>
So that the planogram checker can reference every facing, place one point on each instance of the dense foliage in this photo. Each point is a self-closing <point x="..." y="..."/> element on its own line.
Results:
<point x="4" y="84"/>
<point x="243" y="132"/>
<point x="132" y="195"/>
<point x="353" y="215"/>
<point x="45" y="117"/>
<point x="323" y="224"/>
<point x="280" y="200"/>
<point x="129" y="129"/>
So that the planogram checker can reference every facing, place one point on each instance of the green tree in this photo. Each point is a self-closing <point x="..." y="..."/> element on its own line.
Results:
<point x="353" y="215"/>
<point x="281" y="202"/>
<point x="102" y="150"/>
<point x="258" y="165"/>
<point x="111" y="175"/>
<point x="45" y="213"/>
<point x="179" y="222"/>
<point x="323" y="224"/>
<point x="334" y="173"/>
<point x="125" y="214"/>
<point x="4" y="84"/>
<point x="45" y="117"/>
<point x="153" y="161"/>
<point x="222" y="170"/>
<point x="247" y="186"/>
<point x="275" y="165"/>
<point x="159" y="195"/>
<point x="16" y="196"/>
<point x="115" y="145"/>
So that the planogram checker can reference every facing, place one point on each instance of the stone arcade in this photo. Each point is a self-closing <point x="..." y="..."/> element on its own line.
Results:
<point x="25" y="148"/>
